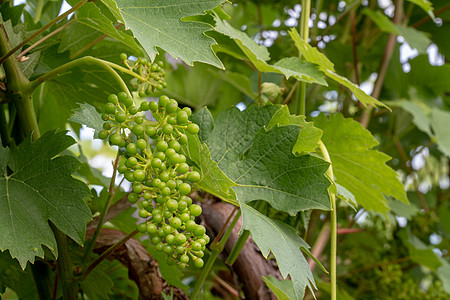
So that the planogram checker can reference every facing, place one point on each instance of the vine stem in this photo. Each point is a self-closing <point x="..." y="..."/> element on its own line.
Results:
<point x="111" y="194"/>
<point x="107" y="252"/>
<point x="333" y="220"/>
<point x="88" y="60"/>
<point x="42" y="29"/>
<point x="216" y="249"/>
<point x="304" y="33"/>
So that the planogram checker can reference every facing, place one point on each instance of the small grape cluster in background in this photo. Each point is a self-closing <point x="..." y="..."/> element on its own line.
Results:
<point x="160" y="176"/>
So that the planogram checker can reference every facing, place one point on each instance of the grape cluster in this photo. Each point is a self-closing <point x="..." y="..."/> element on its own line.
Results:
<point x="160" y="176"/>
<point x="150" y="74"/>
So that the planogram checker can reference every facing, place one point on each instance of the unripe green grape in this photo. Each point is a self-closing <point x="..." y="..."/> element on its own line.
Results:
<point x="184" y="258"/>
<point x="145" y="204"/>
<point x="103" y="134"/>
<point x="138" y="130"/>
<point x="172" y="106"/>
<point x="160" y="199"/>
<point x="185" y="217"/>
<point x="200" y="253"/>
<point x="160" y="247"/>
<point x="175" y="145"/>
<point x="152" y="228"/>
<point x="198" y="263"/>
<point x="122" y="144"/>
<point x="172" y="120"/>
<point x="147" y="196"/>
<point x="187" y="199"/>
<point x="171" y="184"/>
<point x="123" y="56"/>
<point x="183" y="168"/>
<point x="166" y="191"/>
<point x="139" y="175"/>
<point x="182" y="159"/>
<point x="170" y="152"/>
<point x="193" y="128"/>
<point x="122" y="169"/>
<point x="156" y="162"/>
<point x="129" y="176"/>
<point x="131" y="149"/>
<point x="175" y="222"/>
<point x="156" y="211"/>
<point x="144" y="106"/>
<point x="180" y="249"/>
<point x="170" y="239"/>
<point x="156" y="182"/>
<point x="206" y="238"/>
<point x="196" y="246"/>
<point x="148" y="182"/>
<point x="143" y="213"/>
<point x="200" y="231"/>
<point x="162" y="146"/>
<point x="164" y="176"/>
<point x="168" y="214"/>
<point x="112" y="98"/>
<point x="142" y="227"/>
<point x="173" y="159"/>
<point x="182" y="117"/>
<point x="142" y="94"/>
<point x="161" y="233"/>
<point x="150" y="131"/>
<point x="141" y="144"/>
<point x="160" y="155"/>
<point x="162" y="185"/>
<point x="105" y="117"/>
<point x="153" y="106"/>
<point x="159" y="87"/>
<point x="133" y="198"/>
<point x="137" y="187"/>
<point x="185" y="189"/>
<point x="163" y="101"/>
<point x="120" y="116"/>
<point x="156" y="240"/>
<point x="182" y="205"/>
<point x="170" y="261"/>
<point x="122" y="96"/>
<point x="133" y="109"/>
<point x="167" y="229"/>
<point x="180" y="239"/>
<point x="190" y="225"/>
<point x="181" y="266"/>
<point x="173" y="173"/>
<point x="193" y="176"/>
<point x="110" y="108"/>
<point x="131" y="162"/>
<point x="138" y="120"/>
<point x="187" y="110"/>
<point x="195" y="210"/>
<point x="115" y="139"/>
<point x="183" y="140"/>
<point x="167" y="129"/>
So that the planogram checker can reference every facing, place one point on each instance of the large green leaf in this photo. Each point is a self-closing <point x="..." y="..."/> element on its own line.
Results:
<point x="259" y="55"/>
<point x="426" y="5"/>
<point x="87" y="114"/>
<point x="282" y="240"/>
<point x="159" y="24"/>
<point x="10" y="271"/>
<point x="356" y="166"/>
<point x="440" y="122"/>
<point x="309" y="136"/>
<point x="313" y="55"/>
<point x="40" y="189"/>
<point x="261" y="163"/>
<point x="283" y="289"/>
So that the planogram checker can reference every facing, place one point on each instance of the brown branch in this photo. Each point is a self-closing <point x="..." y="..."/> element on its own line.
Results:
<point x="384" y="65"/>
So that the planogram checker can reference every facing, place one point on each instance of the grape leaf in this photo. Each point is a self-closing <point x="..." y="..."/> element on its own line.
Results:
<point x="309" y="136"/>
<point x="40" y="189"/>
<point x="444" y="274"/>
<point x="87" y="114"/>
<point x="205" y="121"/>
<point x="98" y="285"/>
<point x="356" y="167"/>
<point x="159" y="23"/>
<point x="10" y="271"/>
<point x="313" y="55"/>
<point x="426" y="5"/>
<point x="283" y="289"/>
<point x="261" y="162"/>
<point x="282" y="240"/>
<point x="259" y="55"/>
<point x="440" y="122"/>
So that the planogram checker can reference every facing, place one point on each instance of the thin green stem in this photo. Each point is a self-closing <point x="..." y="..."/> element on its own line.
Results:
<point x="107" y="252"/>
<point x="304" y="33"/>
<point x="44" y="28"/>
<point x="39" y="8"/>
<point x="333" y="220"/>
<point x="3" y="127"/>
<point x="216" y="249"/>
<point x="111" y="194"/>
<point x="88" y="60"/>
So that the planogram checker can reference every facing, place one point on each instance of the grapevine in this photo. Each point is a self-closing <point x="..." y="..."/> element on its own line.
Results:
<point x="152" y="161"/>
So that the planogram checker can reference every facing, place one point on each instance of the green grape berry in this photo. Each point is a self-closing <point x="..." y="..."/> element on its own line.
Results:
<point x="103" y="134"/>
<point x="195" y="210"/>
<point x="193" y="128"/>
<point x="112" y="98"/>
<point x="123" y="56"/>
